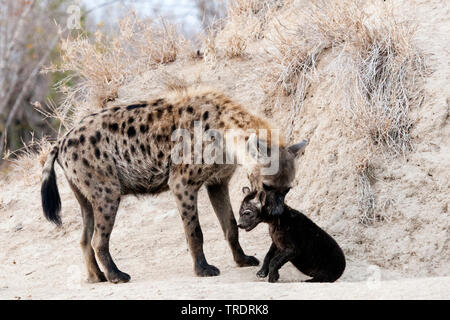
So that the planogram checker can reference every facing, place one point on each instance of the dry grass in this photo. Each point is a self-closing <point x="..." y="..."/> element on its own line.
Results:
<point x="27" y="162"/>
<point x="372" y="209"/>
<point x="208" y="42"/>
<point x="102" y="65"/>
<point x="376" y="68"/>
<point x="172" y="82"/>
<point x="378" y="75"/>
<point x="245" y="22"/>
<point x="293" y="58"/>
<point x="366" y="196"/>
<point x="99" y="66"/>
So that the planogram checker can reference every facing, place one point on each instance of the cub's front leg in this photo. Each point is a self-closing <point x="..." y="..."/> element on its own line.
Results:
<point x="280" y="258"/>
<point x="264" y="271"/>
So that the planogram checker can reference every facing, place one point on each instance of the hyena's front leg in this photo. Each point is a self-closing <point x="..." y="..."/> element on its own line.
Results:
<point x="186" y="198"/>
<point x="220" y="200"/>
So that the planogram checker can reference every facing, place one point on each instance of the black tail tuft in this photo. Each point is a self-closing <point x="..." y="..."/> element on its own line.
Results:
<point x="51" y="201"/>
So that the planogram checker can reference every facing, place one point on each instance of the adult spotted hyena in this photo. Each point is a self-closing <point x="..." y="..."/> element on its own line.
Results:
<point x="128" y="150"/>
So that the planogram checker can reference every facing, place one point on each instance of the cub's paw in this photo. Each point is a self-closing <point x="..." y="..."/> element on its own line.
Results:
<point x="247" y="261"/>
<point x="262" y="273"/>
<point x="274" y="276"/>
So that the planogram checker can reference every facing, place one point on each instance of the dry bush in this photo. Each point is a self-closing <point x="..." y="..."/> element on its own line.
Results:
<point x="372" y="209"/>
<point x="208" y="42"/>
<point x="377" y="78"/>
<point x="366" y="196"/>
<point x="98" y="68"/>
<point x="377" y="98"/>
<point x="236" y="46"/>
<point x="245" y="22"/>
<point x="28" y="161"/>
<point x="376" y="68"/>
<point x="297" y="42"/>
<point x="172" y="82"/>
<point x="378" y="74"/>
<point x="376" y="71"/>
<point x="293" y="56"/>
<point x="102" y="65"/>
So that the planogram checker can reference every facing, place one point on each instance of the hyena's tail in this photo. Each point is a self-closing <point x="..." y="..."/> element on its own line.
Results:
<point x="51" y="201"/>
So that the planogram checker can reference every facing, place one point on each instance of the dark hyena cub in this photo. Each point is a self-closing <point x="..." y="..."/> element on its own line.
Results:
<point x="295" y="238"/>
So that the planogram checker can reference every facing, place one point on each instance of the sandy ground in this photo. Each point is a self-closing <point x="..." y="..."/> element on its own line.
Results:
<point x="39" y="261"/>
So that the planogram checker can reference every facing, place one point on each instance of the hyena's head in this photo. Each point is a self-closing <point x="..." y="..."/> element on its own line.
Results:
<point x="276" y="165"/>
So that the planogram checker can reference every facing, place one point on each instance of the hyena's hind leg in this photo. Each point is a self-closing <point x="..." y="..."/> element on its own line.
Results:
<point x="93" y="270"/>
<point x="105" y="210"/>
<point x="220" y="200"/>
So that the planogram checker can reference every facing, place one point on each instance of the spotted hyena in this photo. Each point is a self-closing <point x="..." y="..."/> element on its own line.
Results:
<point x="128" y="149"/>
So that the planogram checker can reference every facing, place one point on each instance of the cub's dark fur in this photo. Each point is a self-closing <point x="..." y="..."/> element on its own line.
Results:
<point x="295" y="238"/>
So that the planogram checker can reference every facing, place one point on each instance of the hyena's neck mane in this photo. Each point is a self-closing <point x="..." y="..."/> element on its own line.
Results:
<point x="230" y="115"/>
<point x="239" y="119"/>
<point x="237" y="126"/>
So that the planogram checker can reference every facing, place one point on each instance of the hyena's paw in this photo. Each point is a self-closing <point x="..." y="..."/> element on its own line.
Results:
<point x="97" y="278"/>
<point x="118" y="277"/>
<point x="247" y="261"/>
<point x="262" y="273"/>
<point x="206" y="270"/>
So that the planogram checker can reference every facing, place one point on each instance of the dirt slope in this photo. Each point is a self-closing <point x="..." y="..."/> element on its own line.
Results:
<point x="406" y="256"/>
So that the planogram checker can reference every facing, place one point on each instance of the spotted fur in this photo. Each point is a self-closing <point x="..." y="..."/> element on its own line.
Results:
<point x="127" y="150"/>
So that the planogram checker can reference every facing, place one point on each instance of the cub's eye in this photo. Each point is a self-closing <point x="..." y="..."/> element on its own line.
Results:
<point x="246" y="213"/>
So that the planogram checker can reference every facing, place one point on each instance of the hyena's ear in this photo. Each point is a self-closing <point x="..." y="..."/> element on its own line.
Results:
<point x="299" y="148"/>
<point x="246" y="190"/>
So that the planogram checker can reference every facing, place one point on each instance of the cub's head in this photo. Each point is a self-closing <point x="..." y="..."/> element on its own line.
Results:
<point x="261" y="206"/>
<point x="250" y="211"/>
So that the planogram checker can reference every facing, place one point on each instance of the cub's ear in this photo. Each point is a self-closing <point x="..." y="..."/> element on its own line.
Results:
<point x="246" y="190"/>
<point x="299" y="148"/>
